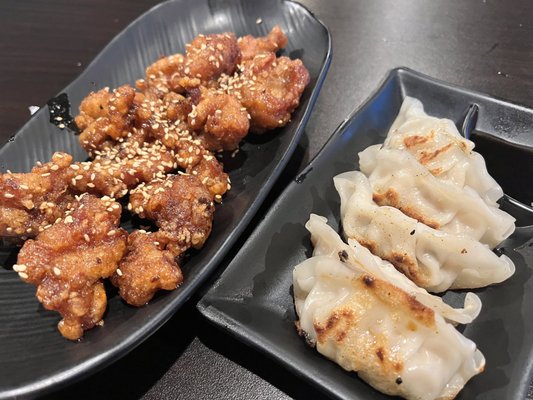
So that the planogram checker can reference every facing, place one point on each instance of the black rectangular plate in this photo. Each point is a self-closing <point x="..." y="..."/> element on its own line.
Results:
<point x="33" y="355"/>
<point x="252" y="300"/>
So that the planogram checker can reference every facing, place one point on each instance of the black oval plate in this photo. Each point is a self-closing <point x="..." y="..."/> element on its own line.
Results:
<point x="252" y="300"/>
<point x="33" y="355"/>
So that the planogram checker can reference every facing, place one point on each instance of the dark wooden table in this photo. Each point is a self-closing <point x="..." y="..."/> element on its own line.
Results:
<point x="486" y="45"/>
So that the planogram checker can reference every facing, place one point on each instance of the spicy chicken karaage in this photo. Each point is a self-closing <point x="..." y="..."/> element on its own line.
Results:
<point x="68" y="261"/>
<point x="157" y="143"/>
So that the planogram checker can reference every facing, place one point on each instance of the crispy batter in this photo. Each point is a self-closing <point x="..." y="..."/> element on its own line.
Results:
<point x="209" y="56"/>
<point x="251" y="46"/>
<point x="105" y="116"/>
<point x="123" y="167"/>
<point x="32" y="201"/>
<point x="270" y="88"/>
<point x="145" y="269"/>
<point x="67" y="262"/>
<point x="159" y="141"/>
<point x="221" y="120"/>
<point x="182" y="208"/>
<point x="161" y="117"/>
<point x="163" y="76"/>
<point x="198" y="161"/>
<point x="188" y="107"/>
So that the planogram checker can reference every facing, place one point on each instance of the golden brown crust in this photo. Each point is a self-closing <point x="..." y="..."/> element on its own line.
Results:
<point x="251" y="46"/>
<point x="221" y="120"/>
<point x="163" y="76"/>
<point x="182" y="208"/>
<point x="401" y="261"/>
<point x="209" y="56"/>
<point x="105" y="116"/>
<point x="68" y="260"/>
<point x="359" y="347"/>
<point x="270" y="89"/>
<point x="30" y="202"/>
<point x="146" y="269"/>
<point x="392" y="198"/>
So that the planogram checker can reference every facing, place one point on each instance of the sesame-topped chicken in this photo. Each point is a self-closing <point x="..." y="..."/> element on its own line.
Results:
<point x="154" y="146"/>
<point x="146" y="269"/>
<point x="269" y="88"/>
<point x="68" y="261"/>
<point x="180" y="206"/>
<point x="31" y="202"/>
<point x="105" y="116"/>
<point x="252" y="46"/>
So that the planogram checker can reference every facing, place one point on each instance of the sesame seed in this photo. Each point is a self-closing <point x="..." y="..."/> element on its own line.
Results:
<point x="111" y="232"/>
<point x="19" y="267"/>
<point x="86" y="237"/>
<point x="23" y="275"/>
<point x="119" y="272"/>
<point x="9" y="195"/>
<point x="68" y="219"/>
<point x="57" y="271"/>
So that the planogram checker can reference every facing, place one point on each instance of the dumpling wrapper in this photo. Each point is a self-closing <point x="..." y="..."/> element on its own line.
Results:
<point x="331" y="244"/>
<point x="437" y="144"/>
<point x="432" y="259"/>
<point x="367" y="324"/>
<point x="400" y="181"/>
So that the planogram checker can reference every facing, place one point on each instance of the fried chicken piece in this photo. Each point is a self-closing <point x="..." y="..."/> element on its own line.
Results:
<point x="105" y="116"/>
<point x="182" y="208"/>
<point x="221" y="120"/>
<point x="251" y="46"/>
<point x="209" y="56"/>
<point x="199" y="162"/>
<point x="68" y="260"/>
<point x="29" y="202"/>
<point x="162" y="76"/>
<point x="270" y="88"/>
<point x="161" y="117"/>
<point x="96" y="177"/>
<point x="145" y="269"/>
<point x="159" y="143"/>
<point x="188" y="152"/>
<point x="123" y="167"/>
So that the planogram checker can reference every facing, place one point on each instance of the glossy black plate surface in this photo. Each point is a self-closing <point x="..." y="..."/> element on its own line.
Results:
<point x="33" y="355"/>
<point x="253" y="300"/>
